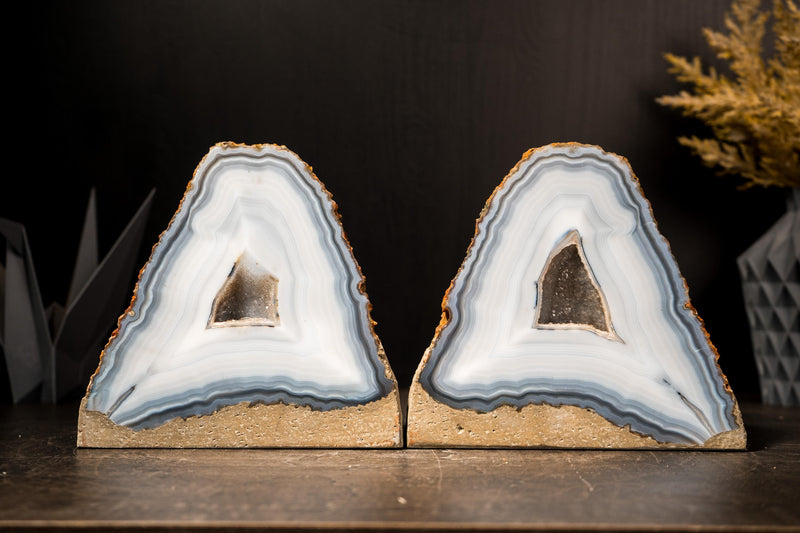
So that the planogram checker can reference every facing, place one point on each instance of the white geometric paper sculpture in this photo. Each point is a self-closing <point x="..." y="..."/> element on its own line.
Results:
<point x="249" y="325"/>
<point x="569" y="324"/>
<point x="50" y="351"/>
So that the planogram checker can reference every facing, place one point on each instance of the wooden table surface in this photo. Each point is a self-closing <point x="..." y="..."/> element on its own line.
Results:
<point x="45" y="482"/>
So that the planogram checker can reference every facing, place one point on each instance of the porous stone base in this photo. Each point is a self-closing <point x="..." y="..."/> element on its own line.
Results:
<point x="432" y="424"/>
<point x="373" y="425"/>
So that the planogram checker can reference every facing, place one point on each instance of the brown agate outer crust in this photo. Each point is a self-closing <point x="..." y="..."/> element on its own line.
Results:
<point x="374" y="425"/>
<point x="436" y="425"/>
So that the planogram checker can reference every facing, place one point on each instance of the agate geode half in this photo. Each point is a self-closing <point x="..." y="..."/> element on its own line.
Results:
<point x="569" y="323"/>
<point x="249" y="325"/>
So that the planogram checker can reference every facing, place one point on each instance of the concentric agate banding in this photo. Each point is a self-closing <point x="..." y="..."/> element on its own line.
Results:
<point x="659" y="377"/>
<point x="169" y="357"/>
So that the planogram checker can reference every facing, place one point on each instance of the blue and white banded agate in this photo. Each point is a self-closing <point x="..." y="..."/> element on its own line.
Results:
<point x="654" y="370"/>
<point x="261" y="208"/>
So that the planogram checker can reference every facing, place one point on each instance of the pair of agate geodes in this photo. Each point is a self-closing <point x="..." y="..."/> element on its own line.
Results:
<point x="567" y="325"/>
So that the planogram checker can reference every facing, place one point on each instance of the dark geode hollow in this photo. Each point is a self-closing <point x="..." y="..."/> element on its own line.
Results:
<point x="568" y="294"/>
<point x="249" y="297"/>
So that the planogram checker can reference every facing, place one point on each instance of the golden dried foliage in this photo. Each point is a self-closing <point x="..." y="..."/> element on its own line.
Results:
<point x="755" y="117"/>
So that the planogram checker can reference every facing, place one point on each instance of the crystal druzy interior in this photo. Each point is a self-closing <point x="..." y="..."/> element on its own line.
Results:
<point x="570" y="296"/>
<point x="249" y="297"/>
<point x="252" y="294"/>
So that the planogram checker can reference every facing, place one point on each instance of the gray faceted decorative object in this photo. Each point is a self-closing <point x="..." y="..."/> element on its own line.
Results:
<point x="770" y="271"/>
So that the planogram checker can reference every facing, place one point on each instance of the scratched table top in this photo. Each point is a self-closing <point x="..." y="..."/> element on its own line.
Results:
<point x="46" y="483"/>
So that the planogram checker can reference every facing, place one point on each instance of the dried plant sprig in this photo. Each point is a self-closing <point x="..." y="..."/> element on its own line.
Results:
<point x="755" y="117"/>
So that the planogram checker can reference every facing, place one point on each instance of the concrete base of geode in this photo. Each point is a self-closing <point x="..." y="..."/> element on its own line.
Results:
<point x="432" y="424"/>
<point x="373" y="425"/>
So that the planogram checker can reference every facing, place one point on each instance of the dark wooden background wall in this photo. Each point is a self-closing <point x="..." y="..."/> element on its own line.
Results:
<point x="410" y="112"/>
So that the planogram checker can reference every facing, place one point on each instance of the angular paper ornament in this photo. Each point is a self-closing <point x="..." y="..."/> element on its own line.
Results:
<point x="249" y="325"/>
<point x="24" y="339"/>
<point x="569" y="324"/>
<point x="50" y="352"/>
